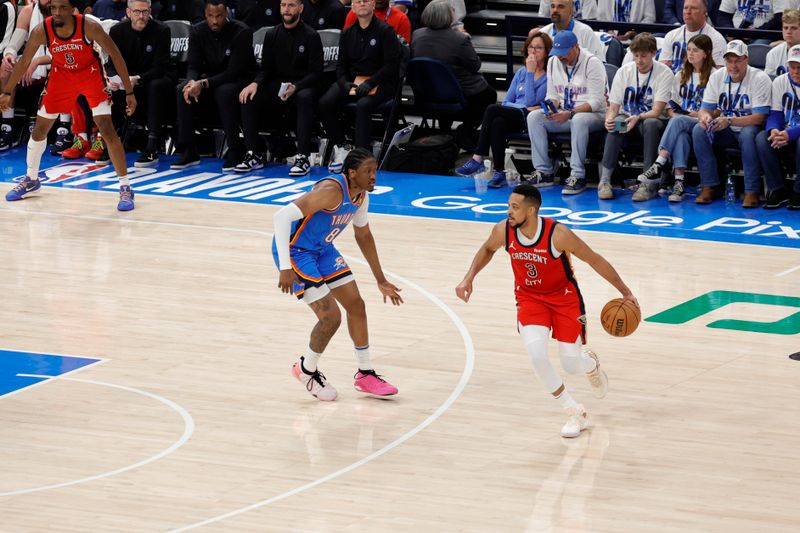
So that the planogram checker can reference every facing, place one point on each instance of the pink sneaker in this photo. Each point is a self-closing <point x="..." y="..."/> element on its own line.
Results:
<point x="370" y="382"/>
<point x="315" y="383"/>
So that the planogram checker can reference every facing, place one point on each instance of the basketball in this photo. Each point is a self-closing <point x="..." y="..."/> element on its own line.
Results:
<point x="620" y="317"/>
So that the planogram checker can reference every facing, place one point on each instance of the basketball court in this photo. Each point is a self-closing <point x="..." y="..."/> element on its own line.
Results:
<point x="145" y="367"/>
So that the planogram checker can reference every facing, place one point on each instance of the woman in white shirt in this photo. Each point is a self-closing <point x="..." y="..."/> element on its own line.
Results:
<point x="687" y="96"/>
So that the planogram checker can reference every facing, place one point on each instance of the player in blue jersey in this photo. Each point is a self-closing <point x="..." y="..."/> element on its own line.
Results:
<point x="313" y="269"/>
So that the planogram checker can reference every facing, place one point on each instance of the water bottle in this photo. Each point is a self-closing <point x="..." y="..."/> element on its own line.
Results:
<point x="512" y="174"/>
<point x="730" y="190"/>
<point x="323" y="150"/>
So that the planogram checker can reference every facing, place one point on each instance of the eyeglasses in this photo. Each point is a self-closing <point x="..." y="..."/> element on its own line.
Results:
<point x="140" y="12"/>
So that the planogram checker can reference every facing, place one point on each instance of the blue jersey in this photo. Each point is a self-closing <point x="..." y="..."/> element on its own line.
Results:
<point x="317" y="231"/>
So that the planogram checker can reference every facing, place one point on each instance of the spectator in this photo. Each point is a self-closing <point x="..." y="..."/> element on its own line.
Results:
<point x="191" y="10"/>
<point x="583" y="9"/>
<point x="779" y="139"/>
<point x="439" y="41"/>
<point x="750" y="14"/>
<point x="777" y="57"/>
<point x="683" y="109"/>
<point x="735" y="106"/>
<point x="324" y="14"/>
<point x="637" y="99"/>
<point x="291" y="71"/>
<point x="673" y="50"/>
<point x="391" y="16"/>
<point x="144" y="44"/>
<point x="110" y="9"/>
<point x="367" y="73"/>
<point x="220" y="64"/>
<point x="561" y="13"/>
<point x="259" y="13"/>
<point x="576" y="85"/>
<point x="525" y="93"/>
<point x="673" y="11"/>
<point x="638" y="11"/>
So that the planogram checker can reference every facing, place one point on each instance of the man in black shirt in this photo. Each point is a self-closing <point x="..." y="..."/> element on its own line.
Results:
<point x="144" y="44"/>
<point x="291" y="70"/>
<point x="370" y="51"/>
<point x="259" y="13"/>
<point x="220" y="64"/>
<point x="324" y="14"/>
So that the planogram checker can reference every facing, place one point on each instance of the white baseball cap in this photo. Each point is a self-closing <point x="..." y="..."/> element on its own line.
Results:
<point x="794" y="54"/>
<point x="736" y="47"/>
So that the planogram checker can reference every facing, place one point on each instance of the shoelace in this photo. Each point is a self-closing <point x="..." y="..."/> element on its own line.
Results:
<point x="125" y="195"/>
<point x="571" y="181"/>
<point x="98" y="144"/>
<point x="652" y="171"/>
<point x="678" y="188"/>
<point x="317" y="376"/>
<point x="78" y="143"/>
<point x="369" y="373"/>
<point x="23" y="185"/>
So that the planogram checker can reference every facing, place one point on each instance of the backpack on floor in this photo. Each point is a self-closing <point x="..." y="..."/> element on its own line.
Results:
<point x="431" y="154"/>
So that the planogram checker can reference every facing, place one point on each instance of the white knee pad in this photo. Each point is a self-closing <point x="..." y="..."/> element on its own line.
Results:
<point x="535" y="339"/>
<point x="573" y="359"/>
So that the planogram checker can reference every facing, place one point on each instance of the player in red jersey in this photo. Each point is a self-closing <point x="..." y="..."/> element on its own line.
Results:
<point x="76" y="70"/>
<point x="547" y="294"/>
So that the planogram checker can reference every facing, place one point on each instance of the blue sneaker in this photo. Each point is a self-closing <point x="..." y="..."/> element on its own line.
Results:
<point x="23" y="188"/>
<point x="498" y="179"/>
<point x="125" y="198"/>
<point x="469" y="168"/>
<point x="574" y="185"/>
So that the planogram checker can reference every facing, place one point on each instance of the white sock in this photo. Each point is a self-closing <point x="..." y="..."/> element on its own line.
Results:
<point x="83" y="136"/>
<point x="8" y="113"/>
<point x="34" y="157"/>
<point x="124" y="181"/>
<point x="310" y="360"/>
<point x="679" y="177"/>
<point x="65" y="118"/>
<point x="362" y="354"/>
<point x="661" y="161"/>
<point x="573" y="359"/>
<point x="566" y="400"/>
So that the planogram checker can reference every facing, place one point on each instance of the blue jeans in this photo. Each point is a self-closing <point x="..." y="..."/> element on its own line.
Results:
<point x="677" y="139"/>
<point x="707" y="161"/>
<point x="580" y="126"/>
<point x="770" y="161"/>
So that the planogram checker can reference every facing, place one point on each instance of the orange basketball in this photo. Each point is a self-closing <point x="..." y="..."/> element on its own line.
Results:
<point x="620" y="317"/>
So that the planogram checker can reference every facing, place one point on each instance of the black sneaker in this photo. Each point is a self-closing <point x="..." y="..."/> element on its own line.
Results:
<point x="776" y="199"/>
<point x="64" y="140"/>
<point x="147" y="160"/>
<point x="104" y="158"/>
<point x="231" y="162"/>
<point x="301" y="166"/>
<point x="794" y="201"/>
<point x="252" y="161"/>
<point x="185" y="161"/>
<point x="6" y="137"/>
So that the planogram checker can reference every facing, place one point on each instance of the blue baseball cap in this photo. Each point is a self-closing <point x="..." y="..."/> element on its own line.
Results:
<point x="563" y="43"/>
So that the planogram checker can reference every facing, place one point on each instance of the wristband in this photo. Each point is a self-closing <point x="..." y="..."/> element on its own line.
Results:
<point x="129" y="94"/>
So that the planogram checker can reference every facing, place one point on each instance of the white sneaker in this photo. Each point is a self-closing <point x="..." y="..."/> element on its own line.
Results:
<point x="604" y="191"/>
<point x="597" y="377"/>
<point x="315" y="383"/>
<point x="644" y="192"/>
<point x="676" y="195"/>
<point x="578" y="421"/>
<point x="301" y="167"/>
<point x="337" y="160"/>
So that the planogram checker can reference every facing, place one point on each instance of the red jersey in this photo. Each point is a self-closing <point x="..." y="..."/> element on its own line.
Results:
<point x="393" y="17"/>
<point x="537" y="270"/>
<point x="74" y="53"/>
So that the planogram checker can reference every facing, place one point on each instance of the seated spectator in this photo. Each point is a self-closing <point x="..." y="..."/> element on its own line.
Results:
<point x="750" y="14"/>
<point x="673" y="50"/>
<point x="29" y="17"/>
<point x="561" y="13"/>
<point x="683" y="109"/>
<point x="110" y="9"/>
<point x="673" y="12"/>
<point x="777" y="57"/>
<point x="288" y="83"/>
<point x="191" y="10"/>
<point x="576" y="87"/>
<point x="637" y="99"/>
<point x="525" y="93"/>
<point x="221" y="63"/>
<point x="144" y="44"/>
<point x="638" y="11"/>
<point x="368" y="51"/>
<point x="659" y="48"/>
<point x="393" y="17"/>
<point x="735" y="106"/>
<point x="583" y="9"/>
<point x="324" y="14"/>
<point x="259" y="13"/>
<point x="439" y="41"/>
<point x="779" y="139"/>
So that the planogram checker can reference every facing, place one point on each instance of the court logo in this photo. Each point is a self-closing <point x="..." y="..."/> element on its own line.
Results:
<point x="711" y="301"/>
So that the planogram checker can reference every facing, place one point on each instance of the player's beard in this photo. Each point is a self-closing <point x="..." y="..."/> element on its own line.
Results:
<point x="291" y="19"/>
<point x="517" y="224"/>
<point x="58" y="23"/>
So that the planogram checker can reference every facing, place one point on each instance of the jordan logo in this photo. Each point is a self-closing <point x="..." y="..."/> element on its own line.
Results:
<point x="567" y="291"/>
<point x="512" y="246"/>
